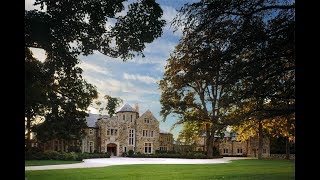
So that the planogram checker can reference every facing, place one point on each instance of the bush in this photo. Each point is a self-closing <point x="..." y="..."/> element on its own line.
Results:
<point x="165" y="152"/>
<point x="51" y="155"/>
<point x="189" y="155"/>
<point x="199" y="156"/>
<point x="32" y="155"/>
<point x="71" y="156"/>
<point x="215" y="152"/>
<point x="130" y="153"/>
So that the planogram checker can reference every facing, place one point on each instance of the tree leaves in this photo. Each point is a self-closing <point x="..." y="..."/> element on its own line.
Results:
<point x="230" y="57"/>
<point x="65" y="29"/>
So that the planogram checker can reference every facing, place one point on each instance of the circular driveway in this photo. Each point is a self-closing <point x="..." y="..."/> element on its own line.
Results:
<point x="102" y="162"/>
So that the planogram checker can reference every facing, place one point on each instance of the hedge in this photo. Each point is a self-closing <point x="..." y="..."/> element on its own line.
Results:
<point x="70" y="156"/>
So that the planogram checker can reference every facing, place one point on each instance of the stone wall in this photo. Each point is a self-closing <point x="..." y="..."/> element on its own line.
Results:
<point x="253" y="147"/>
<point x="122" y="122"/>
<point x="281" y="156"/>
<point x="152" y="126"/>
<point x="90" y="138"/>
<point x="249" y="147"/>
<point x="166" y="140"/>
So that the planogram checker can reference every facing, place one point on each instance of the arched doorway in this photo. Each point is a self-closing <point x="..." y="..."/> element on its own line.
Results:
<point x="112" y="149"/>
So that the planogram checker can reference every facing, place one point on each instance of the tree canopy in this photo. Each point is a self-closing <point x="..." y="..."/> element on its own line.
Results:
<point x="232" y="53"/>
<point x="55" y="88"/>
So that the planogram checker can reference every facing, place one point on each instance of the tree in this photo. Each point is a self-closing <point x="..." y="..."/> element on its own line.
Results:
<point x="191" y="132"/>
<point x="276" y="127"/>
<point x="250" y="44"/>
<point x="110" y="105"/>
<point x="65" y="30"/>
<point x="85" y="26"/>
<point x="35" y="97"/>
<point x="67" y="100"/>
<point x="195" y="84"/>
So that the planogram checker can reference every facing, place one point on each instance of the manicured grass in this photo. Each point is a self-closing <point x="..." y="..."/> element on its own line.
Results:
<point x="48" y="162"/>
<point x="239" y="169"/>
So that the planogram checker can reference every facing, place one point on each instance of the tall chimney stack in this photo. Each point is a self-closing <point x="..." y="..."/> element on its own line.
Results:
<point x="136" y="109"/>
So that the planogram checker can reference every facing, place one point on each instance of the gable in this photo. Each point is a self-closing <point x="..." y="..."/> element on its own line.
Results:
<point x="148" y="114"/>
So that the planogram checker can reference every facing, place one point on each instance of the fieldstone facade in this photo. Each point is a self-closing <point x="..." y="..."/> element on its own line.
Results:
<point x="229" y="146"/>
<point x="123" y="132"/>
<point x="166" y="141"/>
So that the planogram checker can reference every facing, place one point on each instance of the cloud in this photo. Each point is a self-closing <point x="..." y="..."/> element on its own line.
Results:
<point x="169" y="13"/>
<point x="39" y="54"/>
<point x="144" y="79"/>
<point x="89" y="67"/>
<point x="93" y="110"/>
<point x="29" y="6"/>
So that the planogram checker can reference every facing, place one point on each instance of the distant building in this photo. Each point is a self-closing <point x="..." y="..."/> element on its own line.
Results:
<point x="165" y="141"/>
<point x="229" y="146"/>
<point x="125" y="131"/>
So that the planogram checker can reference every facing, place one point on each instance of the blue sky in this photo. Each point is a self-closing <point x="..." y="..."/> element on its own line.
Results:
<point x="134" y="81"/>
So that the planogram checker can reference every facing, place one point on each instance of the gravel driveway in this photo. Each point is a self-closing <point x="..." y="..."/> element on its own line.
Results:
<point x="102" y="162"/>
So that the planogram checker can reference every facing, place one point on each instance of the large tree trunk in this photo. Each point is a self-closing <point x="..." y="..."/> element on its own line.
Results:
<point x="260" y="140"/>
<point x="207" y="138"/>
<point x="28" y="140"/>
<point x="287" y="148"/>
<point x="287" y="141"/>
<point x="210" y="146"/>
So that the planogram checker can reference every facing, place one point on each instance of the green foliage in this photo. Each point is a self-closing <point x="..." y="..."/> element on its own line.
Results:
<point x="232" y="53"/>
<point x="85" y="25"/>
<point x="130" y="153"/>
<point x="186" y="155"/>
<point x="165" y="152"/>
<point x="48" y="162"/>
<point x="112" y="104"/>
<point x="70" y="156"/>
<point x="33" y="154"/>
<point x="278" y="146"/>
<point x="55" y="88"/>
<point x="215" y="152"/>
<point x="192" y="132"/>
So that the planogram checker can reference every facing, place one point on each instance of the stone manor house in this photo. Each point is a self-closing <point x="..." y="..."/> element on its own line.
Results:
<point x="125" y="131"/>
<point x="229" y="146"/>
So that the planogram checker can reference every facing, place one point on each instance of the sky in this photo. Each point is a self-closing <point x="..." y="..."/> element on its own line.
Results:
<point x="136" y="80"/>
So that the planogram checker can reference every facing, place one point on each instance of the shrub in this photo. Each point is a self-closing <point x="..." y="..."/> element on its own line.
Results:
<point x="130" y="153"/>
<point x="215" y="152"/>
<point x="71" y="156"/>
<point x="199" y="156"/>
<point x="51" y="155"/>
<point x="34" y="153"/>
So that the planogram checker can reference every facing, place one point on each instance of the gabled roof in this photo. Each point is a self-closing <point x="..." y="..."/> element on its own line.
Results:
<point x="226" y="134"/>
<point x="125" y="108"/>
<point x="92" y="119"/>
<point x="164" y="132"/>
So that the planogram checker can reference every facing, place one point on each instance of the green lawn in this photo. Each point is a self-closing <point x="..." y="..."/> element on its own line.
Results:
<point x="48" y="162"/>
<point x="239" y="169"/>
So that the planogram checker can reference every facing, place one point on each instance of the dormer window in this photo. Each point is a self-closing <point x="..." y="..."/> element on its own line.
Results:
<point x="112" y="132"/>
<point x="147" y="120"/>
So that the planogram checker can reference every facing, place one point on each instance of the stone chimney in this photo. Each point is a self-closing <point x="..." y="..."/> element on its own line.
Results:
<point x="136" y="109"/>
